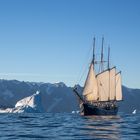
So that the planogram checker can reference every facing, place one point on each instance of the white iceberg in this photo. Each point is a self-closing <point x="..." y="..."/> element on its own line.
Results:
<point x="31" y="104"/>
<point x="134" y="112"/>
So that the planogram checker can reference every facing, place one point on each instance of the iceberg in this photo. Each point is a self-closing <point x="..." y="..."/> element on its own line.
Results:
<point x="134" y="112"/>
<point x="31" y="104"/>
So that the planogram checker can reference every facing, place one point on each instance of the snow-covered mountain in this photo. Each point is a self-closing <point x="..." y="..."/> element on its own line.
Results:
<point x="55" y="97"/>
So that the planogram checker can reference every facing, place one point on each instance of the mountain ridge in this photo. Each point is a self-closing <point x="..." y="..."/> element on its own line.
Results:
<point x="57" y="97"/>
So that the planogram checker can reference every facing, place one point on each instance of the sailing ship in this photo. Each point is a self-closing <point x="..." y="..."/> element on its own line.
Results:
<point x="103" y="90"/>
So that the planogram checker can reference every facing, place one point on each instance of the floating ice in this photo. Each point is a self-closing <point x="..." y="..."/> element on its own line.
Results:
<point x="31" y="104"/>
<point x="134" y="112"/>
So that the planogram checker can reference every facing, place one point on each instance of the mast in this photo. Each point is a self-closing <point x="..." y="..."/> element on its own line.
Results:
<point x="93" y="61"/>
<point x="102" y="55"/>
<point x="109" y="57"/>
<point x="90" y="91"/>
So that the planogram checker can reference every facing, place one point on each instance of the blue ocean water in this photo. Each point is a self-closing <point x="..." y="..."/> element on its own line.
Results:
<point x="66" y="126"/>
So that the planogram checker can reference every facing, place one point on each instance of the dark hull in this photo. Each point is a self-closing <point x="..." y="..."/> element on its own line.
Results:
<point x="89" y="109"/>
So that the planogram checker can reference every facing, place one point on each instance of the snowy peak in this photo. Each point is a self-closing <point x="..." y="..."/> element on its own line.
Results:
<point x="60" y="84"/>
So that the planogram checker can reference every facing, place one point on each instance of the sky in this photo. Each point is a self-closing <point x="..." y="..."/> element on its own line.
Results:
<point x="51" y="40"/>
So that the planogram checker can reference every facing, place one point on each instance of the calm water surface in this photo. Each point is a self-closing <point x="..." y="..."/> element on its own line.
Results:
<point x="68" y="126"/>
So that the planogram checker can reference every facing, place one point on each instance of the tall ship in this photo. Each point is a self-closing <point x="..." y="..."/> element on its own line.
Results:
<point x="103" y="89"/>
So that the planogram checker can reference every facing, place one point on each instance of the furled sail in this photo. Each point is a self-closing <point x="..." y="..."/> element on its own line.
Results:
<point x="90" y="91"/>
<point x="112" y="84"/>
<point x="118" y="87"/>
<point x="103" y="85"/>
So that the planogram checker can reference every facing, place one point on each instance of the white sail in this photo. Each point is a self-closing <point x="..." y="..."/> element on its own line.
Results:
<point x="90" y="91"/>
<point x="103" y="85"/>
<point x="118" y="87"/>
<point x="112" y="84"/>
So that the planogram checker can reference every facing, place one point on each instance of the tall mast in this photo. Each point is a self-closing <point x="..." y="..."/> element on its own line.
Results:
<point x="102" y="55"/>
<point x="93" y="61"/>
<point x="108" y="57"/>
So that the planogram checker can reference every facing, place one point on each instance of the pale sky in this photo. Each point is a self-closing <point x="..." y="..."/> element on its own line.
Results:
<point x="50" y="40"/>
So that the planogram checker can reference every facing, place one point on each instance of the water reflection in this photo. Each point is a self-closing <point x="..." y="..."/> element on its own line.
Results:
<point x="103" y="127"/>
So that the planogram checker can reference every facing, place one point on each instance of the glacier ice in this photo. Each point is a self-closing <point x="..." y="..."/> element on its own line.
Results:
<point x="31" y="104"/>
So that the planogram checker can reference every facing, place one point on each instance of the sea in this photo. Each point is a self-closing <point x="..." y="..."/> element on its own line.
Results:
<point x="67" y="126"/>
